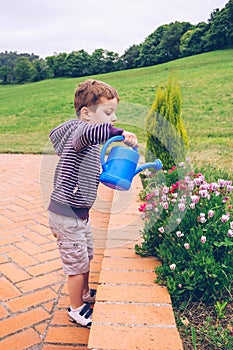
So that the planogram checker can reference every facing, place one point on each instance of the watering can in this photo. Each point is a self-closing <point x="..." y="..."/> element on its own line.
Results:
<point x="121" y="165"/>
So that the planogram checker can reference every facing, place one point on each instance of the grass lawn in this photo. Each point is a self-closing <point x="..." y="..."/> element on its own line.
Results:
<point x="28" y="112"/>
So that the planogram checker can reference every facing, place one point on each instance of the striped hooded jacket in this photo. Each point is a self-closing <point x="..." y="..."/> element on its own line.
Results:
<point x="77" y="173"/>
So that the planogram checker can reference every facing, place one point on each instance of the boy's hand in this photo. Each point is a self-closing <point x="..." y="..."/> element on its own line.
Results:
<point x="130" y="139"/>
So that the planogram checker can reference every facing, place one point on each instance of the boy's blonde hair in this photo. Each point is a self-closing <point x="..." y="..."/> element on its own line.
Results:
<point x="90" y="92"/>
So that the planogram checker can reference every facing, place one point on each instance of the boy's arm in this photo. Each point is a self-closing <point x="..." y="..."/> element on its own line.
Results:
<point x="93" y="134"/>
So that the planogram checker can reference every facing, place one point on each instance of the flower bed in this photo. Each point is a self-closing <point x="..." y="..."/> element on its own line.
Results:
<point x="188" y="225"/>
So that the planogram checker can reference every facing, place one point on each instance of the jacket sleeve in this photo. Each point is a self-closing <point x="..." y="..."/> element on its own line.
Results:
<point x="93" y="134"/>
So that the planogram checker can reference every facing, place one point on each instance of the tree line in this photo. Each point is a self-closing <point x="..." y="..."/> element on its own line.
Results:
<point x="168" y="42"/>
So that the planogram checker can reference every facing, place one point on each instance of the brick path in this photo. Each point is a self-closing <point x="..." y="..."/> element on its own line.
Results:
<point x="131" y="311"/>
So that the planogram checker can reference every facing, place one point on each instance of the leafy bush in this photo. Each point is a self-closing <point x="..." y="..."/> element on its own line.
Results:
<point x="188" y="225"/>
<point x="167" y="138"/>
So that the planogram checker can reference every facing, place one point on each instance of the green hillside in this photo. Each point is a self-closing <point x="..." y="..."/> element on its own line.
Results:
<point x="29" y="111"/>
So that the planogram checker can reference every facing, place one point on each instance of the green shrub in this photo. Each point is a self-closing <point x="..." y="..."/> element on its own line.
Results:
<point x="188" y="225"/>
<point x="166" y="136"/>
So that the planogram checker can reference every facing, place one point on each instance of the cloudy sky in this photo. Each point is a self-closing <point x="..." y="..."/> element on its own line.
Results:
<point x="48" y="26"/>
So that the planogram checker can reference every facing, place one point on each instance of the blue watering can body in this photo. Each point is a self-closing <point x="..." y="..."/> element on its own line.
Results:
<point x="121" y="165"/>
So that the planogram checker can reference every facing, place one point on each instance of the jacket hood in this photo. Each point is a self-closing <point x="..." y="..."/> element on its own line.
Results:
<point x="60" y="135"/>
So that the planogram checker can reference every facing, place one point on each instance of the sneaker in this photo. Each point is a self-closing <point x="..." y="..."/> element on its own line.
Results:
<point x="81" y="315"/>
<point x="89" y="297"/>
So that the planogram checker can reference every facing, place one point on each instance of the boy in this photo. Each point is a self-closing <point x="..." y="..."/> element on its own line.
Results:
<point x="76" y="181"/>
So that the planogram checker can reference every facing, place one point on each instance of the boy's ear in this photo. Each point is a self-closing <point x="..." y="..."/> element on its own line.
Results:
<point x="84" y="114"/>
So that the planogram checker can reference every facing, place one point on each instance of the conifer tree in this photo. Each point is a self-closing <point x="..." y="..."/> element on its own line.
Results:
<point x="167" y="138"/>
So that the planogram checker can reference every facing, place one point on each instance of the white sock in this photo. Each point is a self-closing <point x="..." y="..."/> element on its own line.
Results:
<point x="78" y="309"/>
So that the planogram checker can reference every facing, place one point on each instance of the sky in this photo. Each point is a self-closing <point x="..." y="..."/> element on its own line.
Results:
<point x="47" y="27"/>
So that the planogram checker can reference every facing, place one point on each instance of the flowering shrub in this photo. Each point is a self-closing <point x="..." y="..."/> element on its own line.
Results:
<point x="188" y="225"/>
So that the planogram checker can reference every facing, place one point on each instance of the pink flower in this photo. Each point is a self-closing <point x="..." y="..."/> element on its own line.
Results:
<point x="192" y="205"/>
<point x="165" y="189"/>
<point x="230" y="233"/>
<point x="225" y="199"/>
<point x="203" y="193"/>
<point x="156" y="192"/>
<point x="142" y="207"/>
<point x="149" y="196"/>
<point x="225" y="218"/>
<point x="201" y="177"/>
<point x="164" y="198"/>
<point x="186" y="245"/>
<point x="228" y="183"/>
<point x="210" y="213"/>
<point x="214" y="186"/>
<point x="203" y="239"/>
<point x="195" y="199"/>
<point x="161" y="229"/>
<point x="221" y="182"/>
<point x="181" y="206"/>
<point x="197" y="181"/>
<point x="172" y="266"/>
<point x="165" y="205"/>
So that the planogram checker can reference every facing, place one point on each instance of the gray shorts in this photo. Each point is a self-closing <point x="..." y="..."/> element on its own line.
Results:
<point x="75" y="242"/>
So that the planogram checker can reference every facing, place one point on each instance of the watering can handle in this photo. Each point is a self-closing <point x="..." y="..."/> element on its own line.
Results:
<point x="105" y="146"/>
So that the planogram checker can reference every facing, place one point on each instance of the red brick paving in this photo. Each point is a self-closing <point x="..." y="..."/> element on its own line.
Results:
<point x="131" y="311"/>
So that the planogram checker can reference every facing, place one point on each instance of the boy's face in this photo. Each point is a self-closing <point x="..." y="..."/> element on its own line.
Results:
<point x="104" y="113"/>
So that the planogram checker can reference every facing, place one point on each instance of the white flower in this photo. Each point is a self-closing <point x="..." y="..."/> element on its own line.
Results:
<point x="178" y="220"/>
<point x="172" y="266"/>
<point x="192" y="205"/>
<point x="161" y="229"/>
<point x="179" y="234"/>
<point x="203" y="239"/>
<point x="231" y="225"/>
<point x="186" y="245"/>
<point x="202" y="220"/>
<point x="230" y="233"/>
